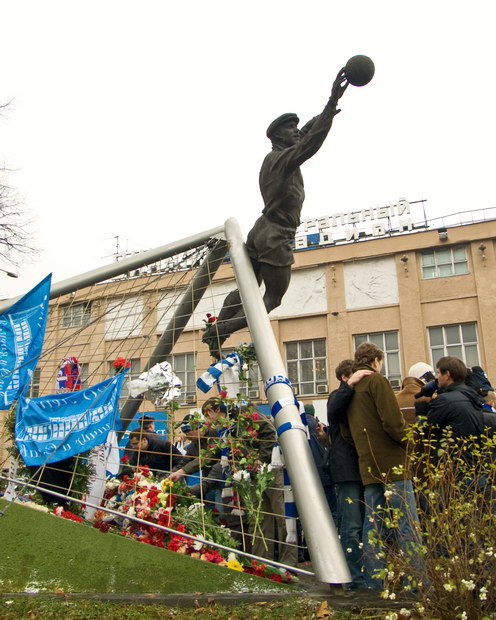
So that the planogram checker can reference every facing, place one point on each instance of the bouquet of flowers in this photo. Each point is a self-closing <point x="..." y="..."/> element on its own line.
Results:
<point x="120" y="364"/>
<point x="247" y="352"/>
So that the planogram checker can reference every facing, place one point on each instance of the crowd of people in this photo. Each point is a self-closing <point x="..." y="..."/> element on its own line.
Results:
<point x="361" y="457"/>
<point x="370" y="442"/>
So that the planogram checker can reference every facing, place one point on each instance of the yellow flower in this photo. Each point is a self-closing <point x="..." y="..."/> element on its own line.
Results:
<point x="163" y="498"/>
<point x="235" y="565"/>
<point x="166" y="483"/>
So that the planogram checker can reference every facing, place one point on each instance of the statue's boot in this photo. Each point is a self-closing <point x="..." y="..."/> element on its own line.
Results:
<point x="214" y="340"/>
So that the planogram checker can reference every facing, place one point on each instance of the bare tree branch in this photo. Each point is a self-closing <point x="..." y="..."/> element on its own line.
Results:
<point x="16" y="236"/>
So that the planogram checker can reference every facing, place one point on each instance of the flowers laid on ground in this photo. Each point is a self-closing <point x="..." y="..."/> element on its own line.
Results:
<point x="169" y="504"/>
<point x="59" y="511"/>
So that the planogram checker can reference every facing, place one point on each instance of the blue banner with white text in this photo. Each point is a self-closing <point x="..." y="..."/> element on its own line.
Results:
<point x="51" y="428"/>
<point x="22" y="330"/>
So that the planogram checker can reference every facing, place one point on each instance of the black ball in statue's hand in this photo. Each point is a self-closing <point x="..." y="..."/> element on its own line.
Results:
<point x="359" y="70"/>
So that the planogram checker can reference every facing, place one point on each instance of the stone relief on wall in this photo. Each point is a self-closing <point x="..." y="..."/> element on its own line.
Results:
<point x="370" y="283"/>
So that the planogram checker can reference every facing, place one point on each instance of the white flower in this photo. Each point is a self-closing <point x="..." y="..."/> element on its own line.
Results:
<point x="241" y="474"/>
<point x="470" y="585"/>
<point x="449" y="587"/>
<point x="349" y="550"/>
<point x="197" y="545"/>
<point x="483" y="593"/>
<point x="406" y="613"/>
<point x="194" y="508"/>
<point x="266" y="468"/>
<point x="231" y="557"/>
<point x="464" y="615"/>
<point x="393" y="616"/>
<point x="392" y="596"/>
<point x="387" y="494"/>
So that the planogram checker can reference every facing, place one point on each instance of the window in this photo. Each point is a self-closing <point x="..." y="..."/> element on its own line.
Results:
<point x="251" y="387"/>
<point x="84" y="373"/>
<point x="389" y="343"/>
<point x="76" y="315"/>
<point x="183" y="365"/>
<point x="34" y="388"/>
<point x="307" y="366"/>
<point x="444" y="262"/>
<point x="124" y="317"/>
<point x="457" y="340"/>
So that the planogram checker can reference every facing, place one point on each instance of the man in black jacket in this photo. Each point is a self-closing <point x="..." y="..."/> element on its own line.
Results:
<point x="150" y="449"/>
<point x="344" y="471"/>
<point x="457" y="405"/>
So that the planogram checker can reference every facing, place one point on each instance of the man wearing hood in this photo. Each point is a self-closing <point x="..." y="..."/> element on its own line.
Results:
<point x="418" y="375"/>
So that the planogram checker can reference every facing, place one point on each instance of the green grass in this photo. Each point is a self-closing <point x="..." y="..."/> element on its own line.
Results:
<point x="301" y="608"/>
<point x="41" y="552"/>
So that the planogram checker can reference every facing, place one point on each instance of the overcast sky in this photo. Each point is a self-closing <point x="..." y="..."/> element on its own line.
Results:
<point x="146" y="120"/>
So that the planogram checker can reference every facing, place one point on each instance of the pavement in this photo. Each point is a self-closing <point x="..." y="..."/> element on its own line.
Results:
<point x="309" y="587"/>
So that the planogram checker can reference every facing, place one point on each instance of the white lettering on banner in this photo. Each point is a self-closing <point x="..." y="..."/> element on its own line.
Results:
<point x="56" y="429"/>
<point x="353" y="225"/>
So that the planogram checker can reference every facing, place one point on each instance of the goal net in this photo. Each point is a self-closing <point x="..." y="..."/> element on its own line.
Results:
<point x="193" y="452"/>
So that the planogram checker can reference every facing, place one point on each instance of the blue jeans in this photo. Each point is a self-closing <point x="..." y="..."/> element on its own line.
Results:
<point x="350" y="526"/>
<point x="406" y="534"/>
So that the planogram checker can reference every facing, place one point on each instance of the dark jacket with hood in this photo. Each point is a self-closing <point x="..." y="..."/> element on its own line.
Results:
<point x="459" y="407"/>
<point x="343" y="458"/>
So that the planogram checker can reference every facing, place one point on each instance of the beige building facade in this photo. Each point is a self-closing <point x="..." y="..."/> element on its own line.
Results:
<point x="419" y="295"/>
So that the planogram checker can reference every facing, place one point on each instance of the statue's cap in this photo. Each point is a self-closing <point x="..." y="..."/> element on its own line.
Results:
<point x="284" y="118"/>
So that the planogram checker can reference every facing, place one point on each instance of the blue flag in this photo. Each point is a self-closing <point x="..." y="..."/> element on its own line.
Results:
<point x="51" y="428"/>
<point x="22" y="330"/>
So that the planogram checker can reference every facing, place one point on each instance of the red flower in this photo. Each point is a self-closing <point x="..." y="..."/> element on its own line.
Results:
<point x="121" y="362"/>
<point x="255" y="416"/>
<point x="145" y="470"/>
<point x="213" y="556"/>
<point x="104" y="527"/>
<point x="174" y="544"/>
<point x="125" y="459"/>
<point x="223" y="394"/>
<point x="67" y="514"/>
<point x="165" y="519"/>
<point x="276" y="577"/>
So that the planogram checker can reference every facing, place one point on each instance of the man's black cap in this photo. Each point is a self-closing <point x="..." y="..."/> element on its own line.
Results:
<point x="284" y="118"/>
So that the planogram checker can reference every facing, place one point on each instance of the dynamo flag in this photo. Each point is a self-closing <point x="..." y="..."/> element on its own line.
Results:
<point x="51" y="428"/>
<point x="22" y="330"/>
